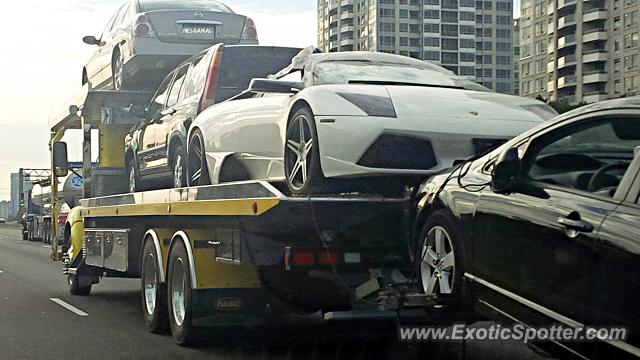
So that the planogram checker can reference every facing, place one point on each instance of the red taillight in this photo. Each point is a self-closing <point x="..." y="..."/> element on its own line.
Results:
<point x="142" y="27"/>
<point x="211" y="88"/>
<point x="303" y="259"/>
<point x="328" y="258"/>
<point x="306" y="258"/>
<point x="250" y="32"/>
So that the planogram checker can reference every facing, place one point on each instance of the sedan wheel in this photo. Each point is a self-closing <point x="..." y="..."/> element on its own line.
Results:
<point x="118" y="72"/>
<point x="437" y="266"/>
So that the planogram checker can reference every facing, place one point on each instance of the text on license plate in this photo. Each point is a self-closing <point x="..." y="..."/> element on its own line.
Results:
<point x="199" y="30"/>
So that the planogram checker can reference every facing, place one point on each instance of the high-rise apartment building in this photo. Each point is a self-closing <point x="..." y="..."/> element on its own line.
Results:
<point x="624" y="48"/>
<point x="576" y="50"/>
<point x="472" y="38"/>
<point x="516" y="56"/>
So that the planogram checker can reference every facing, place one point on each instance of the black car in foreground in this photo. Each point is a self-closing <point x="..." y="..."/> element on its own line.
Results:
<point x="545" y="229"/>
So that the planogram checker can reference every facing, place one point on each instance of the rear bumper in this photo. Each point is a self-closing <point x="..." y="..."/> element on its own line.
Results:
<point x="151" y="54"/>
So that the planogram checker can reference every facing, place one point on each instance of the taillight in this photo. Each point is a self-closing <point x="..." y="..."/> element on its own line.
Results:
<point x="142" y="27"/>
<point x="211" y="88"/>
<point x="306" y="258"/>
<point x="249" y="32"/>
<point x="303" y="259"/>
<point x="328" y="258"/>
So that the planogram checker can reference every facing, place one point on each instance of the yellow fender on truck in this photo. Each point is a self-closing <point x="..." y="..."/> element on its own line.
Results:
<point x="74" y="230"/>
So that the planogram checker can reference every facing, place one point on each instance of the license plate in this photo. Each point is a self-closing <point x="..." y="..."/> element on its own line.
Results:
<point x="205" y="31"/>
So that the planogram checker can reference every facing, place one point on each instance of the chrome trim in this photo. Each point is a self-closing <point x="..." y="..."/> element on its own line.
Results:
<point x="187" y="244"/>
<point x="513" y="318"/>
<point x="200" y="22"/>
<point x="550" y="313"/>
<point x="156" y="243"/>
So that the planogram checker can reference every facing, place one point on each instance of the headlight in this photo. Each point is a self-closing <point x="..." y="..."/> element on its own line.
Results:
<point x="373" y="105"/>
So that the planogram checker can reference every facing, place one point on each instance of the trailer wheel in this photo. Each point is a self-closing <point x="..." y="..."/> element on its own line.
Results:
<point x="154" y="293"/>
<point x="180" y="296"/>
<point x="75" y="288"/>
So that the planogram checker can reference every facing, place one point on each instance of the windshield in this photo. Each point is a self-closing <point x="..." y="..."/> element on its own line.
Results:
<point x="345" y="72"/>
<point x="201" y="5"/>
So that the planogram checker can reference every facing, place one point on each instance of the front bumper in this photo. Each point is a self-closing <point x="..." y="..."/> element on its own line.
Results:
<point x="345" y="140"/>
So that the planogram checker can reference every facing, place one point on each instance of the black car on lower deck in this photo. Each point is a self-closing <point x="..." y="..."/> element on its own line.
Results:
<point x="155" y="150"/>
<point x="545" y="229"/>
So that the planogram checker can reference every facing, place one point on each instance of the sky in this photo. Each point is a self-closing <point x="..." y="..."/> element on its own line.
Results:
<point x="42" y="63"/>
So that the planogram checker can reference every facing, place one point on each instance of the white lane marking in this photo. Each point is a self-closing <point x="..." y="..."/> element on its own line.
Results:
<point x="46" y="246"/>
<point x="69" y="307"/>
<point x="0" y="271"/>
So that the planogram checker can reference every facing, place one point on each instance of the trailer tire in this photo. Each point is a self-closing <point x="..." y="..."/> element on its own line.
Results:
<point x="154" y="293"/>
<point x="180" y="299"/>
<point x="75" y="288"/>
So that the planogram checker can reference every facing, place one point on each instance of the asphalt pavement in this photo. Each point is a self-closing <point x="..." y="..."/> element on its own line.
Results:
<point x="39" y="319"/>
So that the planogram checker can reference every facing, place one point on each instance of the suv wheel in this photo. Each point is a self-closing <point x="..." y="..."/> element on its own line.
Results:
<point x="134" y="178"/>
<point x="179" y="169"/>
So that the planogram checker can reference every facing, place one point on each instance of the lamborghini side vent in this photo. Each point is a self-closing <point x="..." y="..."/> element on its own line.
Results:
<point x="399" y="152"/>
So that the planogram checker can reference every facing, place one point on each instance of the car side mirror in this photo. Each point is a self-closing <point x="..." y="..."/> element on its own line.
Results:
<point x="60" y="159"/>
<point x="507" y="172"/>
<point x="90" y="40"/>
<point x="137" y="110"/>
<point x="275" y="86"/>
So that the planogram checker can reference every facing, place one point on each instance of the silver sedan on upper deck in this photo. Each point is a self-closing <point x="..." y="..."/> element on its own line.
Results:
<point x="145" y="39"/>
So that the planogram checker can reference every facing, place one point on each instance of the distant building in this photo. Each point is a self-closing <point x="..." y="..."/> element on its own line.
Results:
<point x="472" y="38"/>
<point x="15" y="193"/>
<point x="516" y="56"/>
<point x="6" y="210"/>
<point x="582" y="51"/>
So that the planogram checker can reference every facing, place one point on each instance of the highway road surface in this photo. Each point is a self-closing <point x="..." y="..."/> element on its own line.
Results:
<point x="39" y="319"/>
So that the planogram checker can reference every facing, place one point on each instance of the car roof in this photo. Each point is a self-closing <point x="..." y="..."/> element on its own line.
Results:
<point x="632" y="102"/>
<point x="312" y="56"/>
<point x="205" y="51"/>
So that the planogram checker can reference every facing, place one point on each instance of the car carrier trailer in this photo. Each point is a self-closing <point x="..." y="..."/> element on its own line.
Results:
<point x="235" y="255"/>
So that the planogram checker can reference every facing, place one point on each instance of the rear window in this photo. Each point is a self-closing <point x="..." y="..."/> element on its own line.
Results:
<point x="195" y="5"/>
<point x="243" y="63"/>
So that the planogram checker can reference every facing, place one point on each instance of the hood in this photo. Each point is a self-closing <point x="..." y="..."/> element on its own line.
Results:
<point x="463" y="104"/>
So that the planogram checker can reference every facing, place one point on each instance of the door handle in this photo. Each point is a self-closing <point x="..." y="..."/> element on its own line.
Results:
<point x="577" y="225"/>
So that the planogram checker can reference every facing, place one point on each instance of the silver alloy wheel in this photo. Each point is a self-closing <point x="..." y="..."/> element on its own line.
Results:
<point x="118" y="73"/>
<point x="178" y="291"/>
<point x="298" y="152"/>
<point x="132" y="180"/>
<point x="150" y="283"/>
<point x="437" y="267"/>
<point x="178" y="172"/>
<point x="195" y="162"/>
